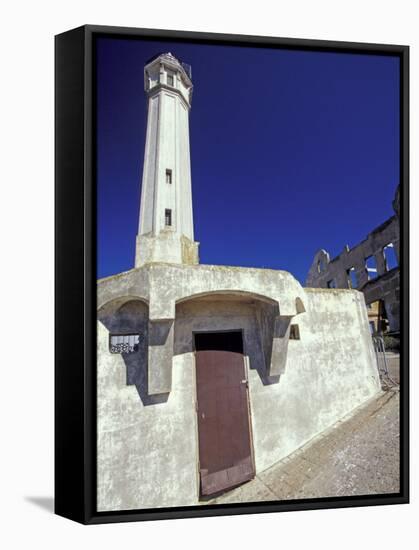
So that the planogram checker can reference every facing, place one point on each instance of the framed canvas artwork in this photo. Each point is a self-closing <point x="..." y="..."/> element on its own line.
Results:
<point x="231" y="274"/>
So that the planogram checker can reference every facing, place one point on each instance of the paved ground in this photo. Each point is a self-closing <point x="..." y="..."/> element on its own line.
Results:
<point x="359" y="455"/>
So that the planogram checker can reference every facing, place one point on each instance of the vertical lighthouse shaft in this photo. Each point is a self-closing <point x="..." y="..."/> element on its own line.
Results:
<point x="165" y="231"/>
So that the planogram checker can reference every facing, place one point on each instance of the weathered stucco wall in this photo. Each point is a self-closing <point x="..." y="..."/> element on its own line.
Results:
<point x="329" y="371"/>
<point x="147" y="444"/>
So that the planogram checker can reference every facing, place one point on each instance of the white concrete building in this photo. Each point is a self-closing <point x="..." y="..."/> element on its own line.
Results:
<point x="209" y="374"/>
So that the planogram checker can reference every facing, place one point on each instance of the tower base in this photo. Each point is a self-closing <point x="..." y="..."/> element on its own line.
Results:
<point x="166" y="247"/>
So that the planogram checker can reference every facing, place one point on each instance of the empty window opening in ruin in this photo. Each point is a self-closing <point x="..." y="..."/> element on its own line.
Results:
<point x="124" y="343"/>
<point x="352" y="278"/>
<point x="377" y="317"/>
<point x="294" y="332"/>
<point x="321" y="265"/>
<point x="331" y="283"/>
<point x="168" y="217"/>
<point x="168" y="176"/>
<point x="371" y="267"/>
<point x="390" y="256"/>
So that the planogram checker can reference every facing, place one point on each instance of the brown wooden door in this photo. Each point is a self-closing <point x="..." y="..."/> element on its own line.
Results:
<point x="225" y="453"/>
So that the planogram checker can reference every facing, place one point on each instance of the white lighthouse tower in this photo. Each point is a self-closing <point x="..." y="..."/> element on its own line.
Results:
<point x="165" y="232"/>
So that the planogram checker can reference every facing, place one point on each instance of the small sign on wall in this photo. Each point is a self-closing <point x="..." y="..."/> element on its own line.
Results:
<point x="124" y="343"/>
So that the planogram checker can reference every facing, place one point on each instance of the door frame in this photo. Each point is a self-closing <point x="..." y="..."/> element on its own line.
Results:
<point x="249" y="410"/>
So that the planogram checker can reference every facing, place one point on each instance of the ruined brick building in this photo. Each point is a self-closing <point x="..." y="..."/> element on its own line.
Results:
<point x="372" y="266"/>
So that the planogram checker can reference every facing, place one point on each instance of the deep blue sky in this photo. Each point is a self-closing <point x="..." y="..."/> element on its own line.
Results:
<point x="291" y="151"/>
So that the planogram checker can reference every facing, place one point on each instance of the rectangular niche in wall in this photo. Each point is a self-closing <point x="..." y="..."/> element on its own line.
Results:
<point x="294" y="332"/>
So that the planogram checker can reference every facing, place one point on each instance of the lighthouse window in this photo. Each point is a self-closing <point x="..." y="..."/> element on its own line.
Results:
<point x="168" y="217"/>
<point x="170" y="80"/>
<point x="168" y="176"/>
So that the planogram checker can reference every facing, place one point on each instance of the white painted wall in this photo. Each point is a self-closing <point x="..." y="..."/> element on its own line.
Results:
<point x="329" y="371"/>
<point x="146" y="444"/>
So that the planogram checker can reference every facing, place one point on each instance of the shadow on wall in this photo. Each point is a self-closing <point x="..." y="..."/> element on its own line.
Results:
<point x="132" y="318"/>
<point x="257" y="363"/>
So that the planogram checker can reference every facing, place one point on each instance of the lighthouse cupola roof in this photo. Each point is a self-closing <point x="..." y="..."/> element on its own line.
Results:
<point x="166" y="70"/>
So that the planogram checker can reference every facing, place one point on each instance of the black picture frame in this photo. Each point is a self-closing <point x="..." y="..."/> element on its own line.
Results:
<point x="75" y="275"/>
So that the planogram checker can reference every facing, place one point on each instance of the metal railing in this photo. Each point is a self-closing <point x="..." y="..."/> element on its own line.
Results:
<point x="380" y="354"/>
